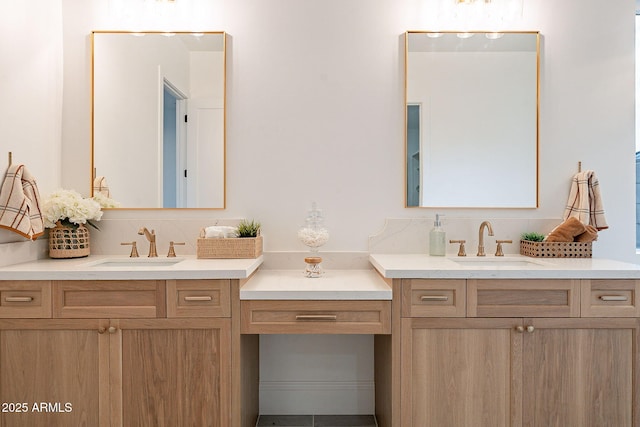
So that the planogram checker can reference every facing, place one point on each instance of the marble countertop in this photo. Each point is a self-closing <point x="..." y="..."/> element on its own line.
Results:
<point x="416" y="266"/>
<point x="100" y="267"/>
<point x="332" y="285"/>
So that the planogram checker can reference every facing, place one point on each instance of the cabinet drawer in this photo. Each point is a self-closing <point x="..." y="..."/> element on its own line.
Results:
<point x="25" y="299"/>
<point x="109" y="298"/>
<point x="433" y="298"/>
<point x="518" y="298"/>
<point x="198" y="298"/>
<point x="610" y="298"/>
<point x="316" y="317"/>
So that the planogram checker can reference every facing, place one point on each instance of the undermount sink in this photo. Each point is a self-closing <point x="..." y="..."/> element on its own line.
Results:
<point x="496" y="262"/>
<point x="136" y="262"/>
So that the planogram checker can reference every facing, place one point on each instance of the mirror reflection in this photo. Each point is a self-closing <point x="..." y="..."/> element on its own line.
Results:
<point x="472" y="119"/>
<point x="159" y="119"/>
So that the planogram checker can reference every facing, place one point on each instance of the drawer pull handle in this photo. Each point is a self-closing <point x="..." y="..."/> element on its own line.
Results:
<point x="198" y="298"/>
<point x="613" y="298"/>
<point x="434" y="298"/>
<point x="317" y="317"/>
<point x="18" y="299"/>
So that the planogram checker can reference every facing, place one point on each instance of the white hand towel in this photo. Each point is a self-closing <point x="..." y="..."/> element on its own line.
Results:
<point x="20" y="203"/>
<point x="585" y="200"/>
<point x="220" y="231"/>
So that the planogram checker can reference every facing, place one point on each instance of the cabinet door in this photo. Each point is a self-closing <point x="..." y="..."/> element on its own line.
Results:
<point x="581" y="373"/>
<point x="172" y="372"/>
<point x="50" y="373"/>
<point x="458" y="372"/>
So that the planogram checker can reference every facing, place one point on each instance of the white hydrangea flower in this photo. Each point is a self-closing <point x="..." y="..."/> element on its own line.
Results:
<point x="68" y="206"/>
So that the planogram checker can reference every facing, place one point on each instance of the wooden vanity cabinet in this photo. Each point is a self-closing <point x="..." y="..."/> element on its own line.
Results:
<point x="120" y="353"/>
<point x="494" y="368"/>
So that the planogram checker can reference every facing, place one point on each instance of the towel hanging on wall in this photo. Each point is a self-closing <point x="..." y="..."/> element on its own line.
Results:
<point x="585" y="200"/>
<point x="20" y="203"/>
<point x="100" y="186"/>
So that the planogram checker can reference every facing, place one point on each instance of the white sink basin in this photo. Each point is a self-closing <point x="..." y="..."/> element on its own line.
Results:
<point x="136" y="262"/>
<point x="497" y="262"/>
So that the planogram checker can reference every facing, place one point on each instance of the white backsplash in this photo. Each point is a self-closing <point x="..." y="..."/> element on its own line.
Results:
<point x="411" y="235"/>
<point x="18" y="252"/>
<point x="113" y="232"/>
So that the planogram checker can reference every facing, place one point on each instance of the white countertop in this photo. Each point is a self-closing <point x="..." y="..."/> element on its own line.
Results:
<point x="332" y="285"/>
<point x="90" y="268"/>
<point x="417" y="266"/>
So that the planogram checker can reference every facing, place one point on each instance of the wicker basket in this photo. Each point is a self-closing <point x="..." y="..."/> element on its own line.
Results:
<point x="67" y="242"/>
<point x="556" y="249"/>
<point x="232" y="247"/>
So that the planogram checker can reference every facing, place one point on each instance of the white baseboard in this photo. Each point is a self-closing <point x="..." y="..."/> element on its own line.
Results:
<point x="317" y="398"/>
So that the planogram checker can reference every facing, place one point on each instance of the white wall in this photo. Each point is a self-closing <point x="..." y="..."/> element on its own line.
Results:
<point x="31" y="87"/>
<point x="315" y="94"/>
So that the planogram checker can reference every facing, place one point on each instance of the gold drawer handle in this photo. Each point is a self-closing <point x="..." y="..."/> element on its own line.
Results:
<point x="614" y="298"/>
<point x="18" y="299"/>
<point x="434" y="298"/>
<point x="317" y="317"/>
<point x="198" y="298"/>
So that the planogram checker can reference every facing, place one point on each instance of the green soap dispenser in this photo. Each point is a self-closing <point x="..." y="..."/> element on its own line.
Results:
<point x="437" y="239"/>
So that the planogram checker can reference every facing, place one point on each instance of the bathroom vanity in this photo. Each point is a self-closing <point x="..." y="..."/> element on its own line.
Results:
<point x="514" y="341"/>
<point x="458" y="342"/>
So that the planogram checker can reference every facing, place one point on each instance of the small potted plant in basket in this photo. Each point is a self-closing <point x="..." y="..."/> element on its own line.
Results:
<point x="66" y="212"/>
<point x="247" y="243"/>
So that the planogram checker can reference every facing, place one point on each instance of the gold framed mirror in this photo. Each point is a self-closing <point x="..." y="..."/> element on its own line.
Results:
<point x="472" y="104"/>
<point x="158" y="119"/>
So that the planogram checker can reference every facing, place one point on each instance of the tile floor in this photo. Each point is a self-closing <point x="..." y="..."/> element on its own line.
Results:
<point x="317" y="421"/>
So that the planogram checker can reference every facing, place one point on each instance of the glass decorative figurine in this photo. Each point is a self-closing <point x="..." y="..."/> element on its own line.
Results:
<point x="313" y="234"/>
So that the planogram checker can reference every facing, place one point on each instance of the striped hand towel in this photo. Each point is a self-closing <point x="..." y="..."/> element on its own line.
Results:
<point x="100" y="186"/>
<point x="585" y="201"/>
<point x="20" y="203"/>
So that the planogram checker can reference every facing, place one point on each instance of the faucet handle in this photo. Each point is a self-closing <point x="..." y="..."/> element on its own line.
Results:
<point x="172" y="251"/>
<point x="461" y="250"/>
<point x="499" y="246"/>
<point x="134" y="249"/>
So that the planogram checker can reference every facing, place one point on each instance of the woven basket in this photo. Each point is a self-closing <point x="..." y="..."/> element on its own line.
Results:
<point x="555" y="249"/>
<point x="232" y="247"/>
<point x="67" y="242"/>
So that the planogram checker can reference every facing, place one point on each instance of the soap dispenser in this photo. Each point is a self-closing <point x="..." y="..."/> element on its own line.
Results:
<point x="437" y="239"/>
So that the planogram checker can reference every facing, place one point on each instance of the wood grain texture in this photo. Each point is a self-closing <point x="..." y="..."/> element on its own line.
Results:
<point x="458" y="373"/>
<point x="25" y="299"/>
<point x="580" y="375"/>
<point x="286" y="317"/>
<point x="56" y="367"/>
<point x="414" y="305"/>
<point x="528" y="297"/>
<point x="109" y="298"/>
<point x="594" y="305"/>
<point x="198" y="298"/>
<point x="176" y="377"/>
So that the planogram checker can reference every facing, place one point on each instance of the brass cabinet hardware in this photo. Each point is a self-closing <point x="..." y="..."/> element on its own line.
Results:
<point x="317" y="317"/>
<point x="434" y="298"/>
<point x="614" y="298"/>
<point x="198" y="298"/>
<point x="18" y="299"/>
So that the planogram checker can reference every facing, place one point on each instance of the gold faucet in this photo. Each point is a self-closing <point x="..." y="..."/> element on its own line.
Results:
<point x="151" y="237"/>
<point x="485" y="224"/>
